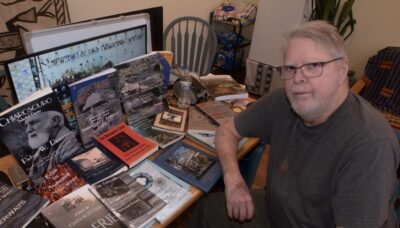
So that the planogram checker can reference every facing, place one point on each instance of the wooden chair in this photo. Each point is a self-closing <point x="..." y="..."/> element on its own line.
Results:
<point x="193" y="42"/>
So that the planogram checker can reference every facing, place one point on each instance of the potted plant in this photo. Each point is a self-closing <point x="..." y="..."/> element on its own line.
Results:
<point x="336" y="13"/>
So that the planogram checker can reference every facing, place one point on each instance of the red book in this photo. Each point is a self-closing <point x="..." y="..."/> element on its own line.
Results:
<point x="127" y="144"/>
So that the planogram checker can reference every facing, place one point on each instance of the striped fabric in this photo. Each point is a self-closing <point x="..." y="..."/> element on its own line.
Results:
<point x="382" y="78"/>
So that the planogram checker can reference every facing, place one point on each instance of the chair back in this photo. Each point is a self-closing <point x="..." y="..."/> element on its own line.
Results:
<point x="193" y="42"/>
<point x="382" y="84"/>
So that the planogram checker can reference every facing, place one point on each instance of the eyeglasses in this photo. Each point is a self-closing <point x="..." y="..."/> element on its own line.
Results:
<point x="309" y="70"/>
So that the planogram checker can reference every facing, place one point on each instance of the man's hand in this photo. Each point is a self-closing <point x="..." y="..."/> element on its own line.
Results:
<point x="239" y="203"/>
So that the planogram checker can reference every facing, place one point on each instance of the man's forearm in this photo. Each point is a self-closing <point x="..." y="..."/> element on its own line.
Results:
<point x="226" y="142"/>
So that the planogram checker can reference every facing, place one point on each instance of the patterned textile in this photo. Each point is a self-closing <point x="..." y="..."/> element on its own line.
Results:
<point x="382" y="78"/>
<point x="243" y="15"/>
<point x="258" y="77"/>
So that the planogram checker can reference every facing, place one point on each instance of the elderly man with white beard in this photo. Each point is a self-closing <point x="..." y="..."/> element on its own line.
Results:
<point x="333" y="157"/>
<point x="51" y="140"/>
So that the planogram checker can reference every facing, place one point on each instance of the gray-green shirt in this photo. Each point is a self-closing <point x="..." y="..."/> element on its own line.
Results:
<point x="341" y="172"/>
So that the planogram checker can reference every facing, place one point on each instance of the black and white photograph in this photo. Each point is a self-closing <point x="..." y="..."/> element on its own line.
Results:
<point x="123" y="141"/>
<point x="190" y="161"/>
<point x="91" y="159"/>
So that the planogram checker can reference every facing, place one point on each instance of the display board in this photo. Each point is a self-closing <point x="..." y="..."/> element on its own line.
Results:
<point x="53" y="37"/>
<point x="60" y="66"/>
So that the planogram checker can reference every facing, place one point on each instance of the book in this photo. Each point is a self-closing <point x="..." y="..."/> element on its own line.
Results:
<point x="169" y="188"/>
<point x="216" y="110"/>
<point x="171" y="120"/>
<point x="162" y="138"/>
<point x="191" y="164"/>
<point x="128" y="145"/>
<point x="223" y="87"/>
<point x="96" y="104"/>
<point x="80" y="208"/>
<point x="96" y="164"/>
<point x="10" y="167"/>
<point x="208" y="140"/>
<point x="18" y="207"/>
<point x="200" y="123"/>
<point x="142" y="88"/>
<point x="36" y="132"/>
<point x="128" y="200"/>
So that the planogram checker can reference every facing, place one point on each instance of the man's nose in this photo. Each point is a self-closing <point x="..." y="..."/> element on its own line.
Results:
<point x="299" y="75"/>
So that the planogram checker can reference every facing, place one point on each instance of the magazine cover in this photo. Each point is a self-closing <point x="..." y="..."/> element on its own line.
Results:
<point x="96" y="163"/>
<point x="18" y="207"/>
<point x="36" y="133"/>
<point x="128" y="145"/>
<point x="80" y="208"/>
<point x="142" y="87"/>
<point x="191" y="165"/>
<point x="96" y="104"/>
<point x="129" y="200"/>
<point x="169" y="188"/>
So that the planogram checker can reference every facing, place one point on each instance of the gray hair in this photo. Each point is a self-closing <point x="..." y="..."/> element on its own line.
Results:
<point x="321" y="32"/>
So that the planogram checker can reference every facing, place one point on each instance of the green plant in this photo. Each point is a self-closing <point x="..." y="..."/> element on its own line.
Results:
<point x="339" y="15"/>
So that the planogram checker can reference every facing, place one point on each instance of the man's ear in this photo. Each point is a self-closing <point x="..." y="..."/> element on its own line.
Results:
<point x="343" y="70"/>
<point x="55" y="121"/>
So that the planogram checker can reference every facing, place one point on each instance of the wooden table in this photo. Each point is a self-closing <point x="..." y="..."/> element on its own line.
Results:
<point x="196" y="193"/>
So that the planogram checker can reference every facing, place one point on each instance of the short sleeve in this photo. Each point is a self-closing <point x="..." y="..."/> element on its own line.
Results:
<point x="366" y="185"/>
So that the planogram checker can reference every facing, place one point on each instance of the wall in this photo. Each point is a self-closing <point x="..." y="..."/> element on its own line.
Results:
<point x="88" y="9"/>
<point x="376" y="20"/>
<point x="377" y="27"/>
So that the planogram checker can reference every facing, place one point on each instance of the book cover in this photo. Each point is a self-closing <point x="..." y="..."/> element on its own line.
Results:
<point x="127" y="144"/>
<point x="163" y="184"/>
<point x="18" y="207"/>
<point x="200" y="123"/>
<point x="96" y="104"/>
<point x="129" y="200"/>
<point x="223" y="87"/>
<point x="36" y="133"/>
<point x="162" y="138"/>
<point x="208" y="140"/>
<point x="192" y="165"/>
<point x="216" y="110"/>
<point x="172" y="120"/>
<point x="142" y="88"/>
<point x="96" y="164"/>
<point x="80" y="208"/>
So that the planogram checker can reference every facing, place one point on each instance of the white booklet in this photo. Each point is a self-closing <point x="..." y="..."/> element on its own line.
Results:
<point x="169" y="188"/>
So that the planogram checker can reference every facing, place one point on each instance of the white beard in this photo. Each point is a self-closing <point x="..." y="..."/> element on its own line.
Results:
<point x="38" y="140"/>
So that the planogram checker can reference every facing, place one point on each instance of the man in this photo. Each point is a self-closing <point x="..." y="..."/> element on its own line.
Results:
<point x="51" y="140"/>
<point x="333" y="158"/>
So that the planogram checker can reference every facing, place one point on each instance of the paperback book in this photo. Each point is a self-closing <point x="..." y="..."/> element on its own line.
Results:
<point x="18" y="207"/>
<point x="171" y="120"/>
<point x="36" y="132"/>
<point x="96" y="164"/>
<point x="169" y="188"/>
<point x="142" y="88"/>
<point x="191" y="164"/>
<point x="223" y="87"/>
<point x="162" y="138"/>
<point x="80" y="208"/>
<point x="216" y="111"/>
<point x="128" y="145"/>
<point x="200" y="123"/>
<point x="128" y="200"/>
<point x="208" y="140"/>
<point x="96" y="104"/>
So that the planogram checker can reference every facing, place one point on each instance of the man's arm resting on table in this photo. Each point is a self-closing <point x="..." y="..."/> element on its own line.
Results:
<point x="238" y="198"/>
